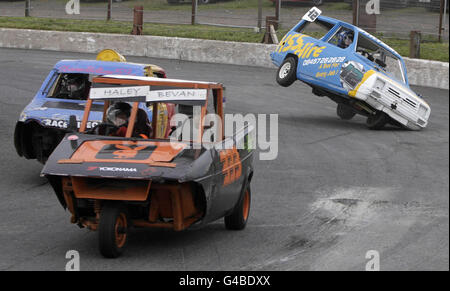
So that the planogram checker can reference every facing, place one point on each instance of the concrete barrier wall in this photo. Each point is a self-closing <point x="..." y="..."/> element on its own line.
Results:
<point x="420" y="72"/>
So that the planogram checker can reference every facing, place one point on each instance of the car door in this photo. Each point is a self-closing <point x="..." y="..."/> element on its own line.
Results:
<point x="325" y="67"/>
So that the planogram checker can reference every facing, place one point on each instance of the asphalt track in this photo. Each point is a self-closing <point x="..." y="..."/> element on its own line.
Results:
<point x="336" y="190"/>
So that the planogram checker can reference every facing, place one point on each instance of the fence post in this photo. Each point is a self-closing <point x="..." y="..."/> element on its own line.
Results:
<point x="414" y="44"/>
<point x="194" y="12"/>
<point x="259" y="25"/>
<point x="441" y="14"/>
<point x="355" y="7"/>
<point x="27" y="8"/>
<point x="108" y="14"/>
<point x="138" y="20"/>
<point x="277" y="14"/>
<point x="270" y="35"/>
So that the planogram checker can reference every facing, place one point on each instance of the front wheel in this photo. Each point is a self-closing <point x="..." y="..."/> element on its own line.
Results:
<point x="345" y="112"/>
<point x="377" y="121"/>
<point x="286" y="74"/>
<point x="113" y="230"/>
<point x="237" y="220"/>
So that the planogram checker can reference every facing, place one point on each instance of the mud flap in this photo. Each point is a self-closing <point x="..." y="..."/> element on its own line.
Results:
<point x="56" y="184"/>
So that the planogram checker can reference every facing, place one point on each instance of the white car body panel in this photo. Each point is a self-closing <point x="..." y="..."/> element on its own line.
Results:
<point x="393" y="98"/>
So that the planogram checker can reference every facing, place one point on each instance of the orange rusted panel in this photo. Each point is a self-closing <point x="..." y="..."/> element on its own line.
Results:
<point x="122" y="151"/>
<point x="84" y="188"/>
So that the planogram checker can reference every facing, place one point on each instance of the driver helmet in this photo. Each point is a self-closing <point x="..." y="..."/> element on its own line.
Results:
<point x="118" y="113"/>
<point x="345" y="38"/>
<point x="76" y="85"/>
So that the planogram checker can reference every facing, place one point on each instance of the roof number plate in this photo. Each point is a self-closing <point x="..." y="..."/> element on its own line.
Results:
<point x="312" y="14"/>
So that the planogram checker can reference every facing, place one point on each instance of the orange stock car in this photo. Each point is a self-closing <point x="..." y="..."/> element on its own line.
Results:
<point x="112" y="183"/>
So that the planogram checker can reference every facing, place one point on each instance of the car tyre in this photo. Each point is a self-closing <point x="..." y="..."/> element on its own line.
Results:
<point x="377" y="121"/>
<point x="237" y="220"/>
<point x="113" y="230"/>
<point x="345" y="112"/>
<point x="286" y="74"/>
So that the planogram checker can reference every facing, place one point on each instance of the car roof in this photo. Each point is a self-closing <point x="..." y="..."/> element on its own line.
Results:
<point x="363" y="32"/>
<point x="100" y="67"/>
<point x="160" y="80"/>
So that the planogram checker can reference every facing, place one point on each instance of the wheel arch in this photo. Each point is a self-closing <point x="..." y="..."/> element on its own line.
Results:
<point x="291" y="55"/>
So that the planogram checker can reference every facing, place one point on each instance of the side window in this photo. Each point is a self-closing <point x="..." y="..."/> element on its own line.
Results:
<point x="343" y="38"/>
<point x="380" y="56"/>
<point x="316" y="29"/>
<point x="394" y="67"/>
<point x="71" y="86"/>
<point x="368" y="48"/>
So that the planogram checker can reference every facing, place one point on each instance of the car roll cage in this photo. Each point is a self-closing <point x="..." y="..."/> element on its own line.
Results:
<point x="216" y="88"/>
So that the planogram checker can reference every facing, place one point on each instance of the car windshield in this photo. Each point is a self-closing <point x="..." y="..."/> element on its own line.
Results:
<point x="72" y="86"/>
<point x="382" y="58"/>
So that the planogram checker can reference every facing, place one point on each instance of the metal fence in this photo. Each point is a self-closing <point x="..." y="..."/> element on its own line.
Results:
<point x="389" y="18"/>
<point x="392" y="17"/>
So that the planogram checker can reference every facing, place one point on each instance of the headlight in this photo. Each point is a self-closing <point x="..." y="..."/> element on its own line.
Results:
<point x="422" y="111"/>
<point x="375" y="94"/>
<point x="379" y="84"/>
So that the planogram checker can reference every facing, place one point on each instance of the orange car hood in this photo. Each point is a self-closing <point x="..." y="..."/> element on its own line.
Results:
<point x="125" y="151"/>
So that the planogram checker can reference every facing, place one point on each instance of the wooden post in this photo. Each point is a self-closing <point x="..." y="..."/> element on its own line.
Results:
<point x="414" y="44"/>
<point x="27" y="8"/>
<point x="441" y="14"/>
<point x="355" y="12"/>
<point x="194" y="12"/>
<point x="366" y="21"/>
<point x="138" y="20"/>
<point x="259" y="24"/>
<point x="271" y="26"/>
<point x="108" y="13"/>
<point x="277" y="14"/>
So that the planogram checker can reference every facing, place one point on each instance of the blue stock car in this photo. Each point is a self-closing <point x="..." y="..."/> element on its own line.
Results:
<point x="44" y="121"/>
<point x="360" y="73"/>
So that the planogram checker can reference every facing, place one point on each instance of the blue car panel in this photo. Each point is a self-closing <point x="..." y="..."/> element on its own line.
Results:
<point x="320" y="62"/>
<point x="52" y="114"/>
<point x="356" y="70"/>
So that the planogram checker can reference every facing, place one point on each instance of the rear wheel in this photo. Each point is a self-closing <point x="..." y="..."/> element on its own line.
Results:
<point x="237" y="220"/>
<point x="286" y="74"/>
<point x="345" y="112"/>
<point x="377" y="121"/>
<point x="113" y="230"/>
